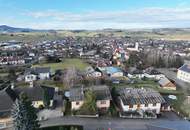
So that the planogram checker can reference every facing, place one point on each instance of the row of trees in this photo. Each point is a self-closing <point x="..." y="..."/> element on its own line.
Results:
<point x="155" y="59"/>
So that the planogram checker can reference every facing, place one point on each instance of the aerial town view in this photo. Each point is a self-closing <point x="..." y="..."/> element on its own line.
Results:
<point x="95" y="65"/>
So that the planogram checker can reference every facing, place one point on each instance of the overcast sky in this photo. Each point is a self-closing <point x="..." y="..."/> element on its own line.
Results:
<point x="95" y="14"/>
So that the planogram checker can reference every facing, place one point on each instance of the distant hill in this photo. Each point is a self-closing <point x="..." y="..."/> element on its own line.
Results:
<point x="9" y="29"/>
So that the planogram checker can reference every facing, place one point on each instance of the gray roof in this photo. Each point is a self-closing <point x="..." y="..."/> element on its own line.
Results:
<point x="185" y="68"/>
<point x="134" y="71"/>
<point x="38" y="70"/>
<point x="35" y="93"/>
<point x="152" y="72"/>
<point x="7" y="98"/>
<point x="102" y="92"/>
<point x="164" y="81"/>
<point x="76" y="94"/>
<point x="133" y="96"/>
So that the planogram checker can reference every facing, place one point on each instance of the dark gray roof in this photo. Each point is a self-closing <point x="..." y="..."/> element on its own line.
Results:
<point x="7" y="98"/>
<point x="132" y="96"/>
<point x="135" y="71"/>
<point x="102" y="92"/>
<point x="185" y="68"/>
<point x="35" y="93"/>
<point x="76" y="94"/>
<point x="152" y="72"/>
<point x="38" y="70"/>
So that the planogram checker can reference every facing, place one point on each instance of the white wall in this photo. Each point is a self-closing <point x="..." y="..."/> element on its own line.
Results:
<point x="126" y="108"/>
<point x="43" y="76"/>
<point x="117" y="74"/>
<point x="182" y="75"/>
<point x="74" y="105"/>
<point x="100" y="105"/>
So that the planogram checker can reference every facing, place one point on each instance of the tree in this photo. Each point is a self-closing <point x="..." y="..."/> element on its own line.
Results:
<point x="24" y="114"/>
<point x="70" y="77"/>
<point x="12" y="74"/>
<point x="46" y="98"/>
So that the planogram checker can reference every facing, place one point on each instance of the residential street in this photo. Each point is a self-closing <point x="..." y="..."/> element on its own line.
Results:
<point x="113" y="123"/>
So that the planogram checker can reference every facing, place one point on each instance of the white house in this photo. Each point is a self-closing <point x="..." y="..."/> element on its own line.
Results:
<point x="133" y="99"/>
<point x="135" y="73"/>
<point x="33" y="74"/>
<point x="153" y="74"/>
<point x="183" y="73"/>
<point x="30" y="77"/>
<point x="103" y="96"/>
<point x="90" y="72"/>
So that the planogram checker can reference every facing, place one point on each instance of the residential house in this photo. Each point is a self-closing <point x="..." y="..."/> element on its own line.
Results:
<point x="145" y="99"/>
<point x="165" y="83"/>
<point x="153" y="74"/>
<point x="33" y="74"/>
<point x="102" y="93"/>
<point x="183" y="73"/>
<point x="7" y="97"/>
<point x="103" y="96"/>
<point x="10" y="60"/>
<point x="135" y="73"/>
<point x="36" y="94"/>
<point x="111" y="71"/>
<point x="76" y="98"/>
<point x="92" y="73"/>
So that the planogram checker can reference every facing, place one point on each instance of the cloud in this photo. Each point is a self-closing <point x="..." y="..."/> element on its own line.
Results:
<point x="141" y="18"/>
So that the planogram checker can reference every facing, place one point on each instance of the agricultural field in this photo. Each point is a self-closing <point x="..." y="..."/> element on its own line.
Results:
<point x="170" y="34"/>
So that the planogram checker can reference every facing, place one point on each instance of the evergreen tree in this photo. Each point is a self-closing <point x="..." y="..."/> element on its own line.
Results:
<point x="24" y="114"/>
<point x="46" y="98"/>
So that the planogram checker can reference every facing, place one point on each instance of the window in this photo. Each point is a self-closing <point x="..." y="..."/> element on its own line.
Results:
<point x="146" y="105"/>
<point x="103" y="102"/>
<point x="154" y="104"/>
<point x="77" y="103"/>
<point x="130" y="106"/>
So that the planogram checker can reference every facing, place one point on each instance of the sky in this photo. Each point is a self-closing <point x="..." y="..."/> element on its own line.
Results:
<point x="95" y="14"/>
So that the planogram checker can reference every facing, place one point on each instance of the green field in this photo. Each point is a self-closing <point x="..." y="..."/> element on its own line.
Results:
<point x="31" y="37"/>
<point x="66" y="63"/>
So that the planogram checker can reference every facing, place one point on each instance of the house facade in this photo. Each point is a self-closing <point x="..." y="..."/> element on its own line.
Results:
<point x="36" y="94"/>
<point x="153" y="74"/>
<point x="103" y="96"/>
<point x="76" y="98"/>
<point x="183" y="73"/>
<point x="33" y="74"/>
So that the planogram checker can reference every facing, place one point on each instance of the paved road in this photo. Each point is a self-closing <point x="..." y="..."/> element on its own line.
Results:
<point x="172" y="75"/>
<point x="95" y="123"/>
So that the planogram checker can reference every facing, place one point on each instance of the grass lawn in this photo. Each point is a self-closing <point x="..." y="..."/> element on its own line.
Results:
<point x="78" y="63"/>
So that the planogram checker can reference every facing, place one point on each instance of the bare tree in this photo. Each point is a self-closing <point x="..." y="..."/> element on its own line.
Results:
<point x="70" y="77"/>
